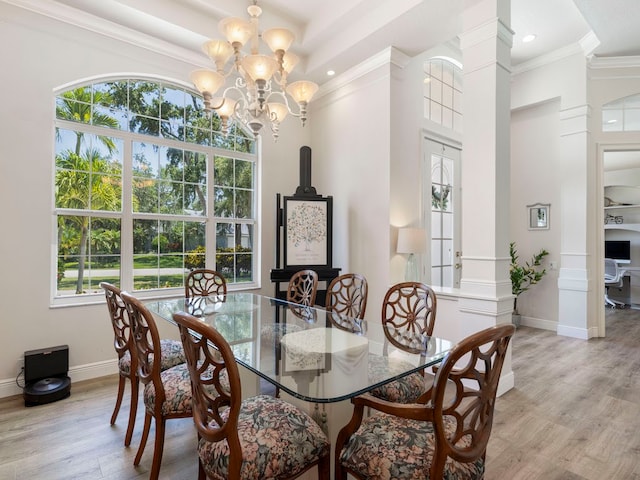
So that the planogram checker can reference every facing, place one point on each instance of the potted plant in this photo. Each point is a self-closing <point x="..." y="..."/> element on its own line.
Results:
<point x="524" y="276"/>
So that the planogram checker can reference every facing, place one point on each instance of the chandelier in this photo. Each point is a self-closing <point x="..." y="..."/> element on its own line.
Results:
<point x="257" y="94"/>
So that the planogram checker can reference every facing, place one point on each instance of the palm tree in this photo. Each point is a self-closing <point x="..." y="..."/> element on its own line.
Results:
<point x="76" y="188"/>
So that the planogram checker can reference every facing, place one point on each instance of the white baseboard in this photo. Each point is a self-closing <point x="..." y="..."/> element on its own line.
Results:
<point x="581" y="333"/>
<point x="9" y="388"/>
<point x="539" y="323"/>
<point x="563" y="330"/>
<point x="507" y="382"/>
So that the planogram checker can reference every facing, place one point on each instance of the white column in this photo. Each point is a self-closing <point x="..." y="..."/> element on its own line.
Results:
<point x="485" y="285"/>
<point x="577" y="211"/>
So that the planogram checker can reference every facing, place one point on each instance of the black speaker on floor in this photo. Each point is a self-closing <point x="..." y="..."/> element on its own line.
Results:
<point x="45" y="375"/>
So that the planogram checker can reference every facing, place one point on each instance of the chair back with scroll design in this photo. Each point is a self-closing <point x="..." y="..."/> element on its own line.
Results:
<point x="447" y="435"/>
<point x="167" y="392"/>
<point x="228" y="426"/>
<point x="409" y="315"/>
<point x="203" y="282"/>
<point x="127" y="363"/>
<point x="303" y="287"/>
<point x="347" y="300"/>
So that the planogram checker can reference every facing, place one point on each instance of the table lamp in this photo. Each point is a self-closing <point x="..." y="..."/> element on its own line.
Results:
<point x="412" y="241"/>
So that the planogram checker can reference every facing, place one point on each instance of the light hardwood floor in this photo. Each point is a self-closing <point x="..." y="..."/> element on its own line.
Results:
<point x="574" y="414"/>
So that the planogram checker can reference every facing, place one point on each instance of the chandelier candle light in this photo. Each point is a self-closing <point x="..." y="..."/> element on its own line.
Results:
<point x="412" y="241"/>
<point x="251" y="99"/>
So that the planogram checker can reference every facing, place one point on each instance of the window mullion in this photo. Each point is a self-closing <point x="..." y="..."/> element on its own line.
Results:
<point x="126" y="239"/>
<point x="210" y="227"/>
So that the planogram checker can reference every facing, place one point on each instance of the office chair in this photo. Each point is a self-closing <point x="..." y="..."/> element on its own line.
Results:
<point x="612" y="278"/>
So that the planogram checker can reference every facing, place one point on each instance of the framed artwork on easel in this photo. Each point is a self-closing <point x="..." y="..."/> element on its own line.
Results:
<point x="307" y="231"/>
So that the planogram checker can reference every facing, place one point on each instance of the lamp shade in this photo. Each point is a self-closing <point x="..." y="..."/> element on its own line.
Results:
<point x="277" y="111"/>
<point x="207" y="81"/>
<point x="412" y="240"/>
<point x="278" y="39"/>
<point x="219" y="51"/>
<point x="302" y="90"/>
<point x="259" y="67"/>
<point x="289" y="61"/>
<point x="227" y="106"/>
<point x="235" y="30"/>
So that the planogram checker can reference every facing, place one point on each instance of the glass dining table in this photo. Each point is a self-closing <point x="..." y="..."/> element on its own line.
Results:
<point x="309" y="353"/>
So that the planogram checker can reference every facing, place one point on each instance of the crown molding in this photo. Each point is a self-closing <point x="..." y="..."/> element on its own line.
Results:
<point x="615" y="62"/>
<point x="549" y="58"/>
<point x="73" y="16"/>
<point x="388" y="56"/>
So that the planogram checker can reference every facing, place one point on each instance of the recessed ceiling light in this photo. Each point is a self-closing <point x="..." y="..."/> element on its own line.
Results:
<point x="613" y="120"/>
<point x="331" y="73"/>
<point x="528" y="38"/>
<point x="427" y="79"/>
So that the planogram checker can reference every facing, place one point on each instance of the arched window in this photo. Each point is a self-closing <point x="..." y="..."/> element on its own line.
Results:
<point x="622" y="115"/>
<point x="443" y="92"/>
<point x="147" y="187"/>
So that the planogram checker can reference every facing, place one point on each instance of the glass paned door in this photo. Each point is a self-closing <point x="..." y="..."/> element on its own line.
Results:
<point x="441" y="204"/>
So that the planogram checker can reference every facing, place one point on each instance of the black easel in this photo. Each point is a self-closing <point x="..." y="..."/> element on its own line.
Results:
<point x="284" y="269"/>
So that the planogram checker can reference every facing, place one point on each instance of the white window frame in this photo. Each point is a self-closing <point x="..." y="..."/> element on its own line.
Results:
<point x="127" y="215"/>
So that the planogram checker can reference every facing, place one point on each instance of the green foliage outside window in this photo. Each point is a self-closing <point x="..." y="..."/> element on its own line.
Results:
<point x="165" y="179"/>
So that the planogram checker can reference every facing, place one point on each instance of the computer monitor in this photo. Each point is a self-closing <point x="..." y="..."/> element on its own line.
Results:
<point x="619" y="250"/>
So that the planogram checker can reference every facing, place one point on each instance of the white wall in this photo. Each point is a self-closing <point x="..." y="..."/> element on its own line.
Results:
<point x="563" y="82"/>
<point x="535" y="154"/>
<point x="351" y="131"/>
<point x="40" y="55"/>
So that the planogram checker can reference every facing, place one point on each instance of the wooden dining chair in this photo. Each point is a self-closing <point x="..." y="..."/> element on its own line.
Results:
<point x="204" y="282"/>
<point x="167" y="393"/>
<point x="259" y="437"/>
<point x="444" y="437"/>
<point x="346" y="301"/>
<point x="172" y="354"/>
<point x="408" y="318"/>
<point x="302" y="287"/>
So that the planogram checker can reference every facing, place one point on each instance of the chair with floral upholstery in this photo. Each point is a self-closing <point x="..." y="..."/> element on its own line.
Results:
<point x="445" y="437"/>
<point x="302" y="288"/>
<point x="167" y="393"/>
<point x="408" y="318"/>
<point x="172" y="354"/>
<point x="346" y="301"/>
<point x="203" y="282"/>
<point x="259" y="437"/>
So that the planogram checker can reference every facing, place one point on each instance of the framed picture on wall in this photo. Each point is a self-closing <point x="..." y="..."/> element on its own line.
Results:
<point x="307" y="232"/>
<point x="539" y="216"/>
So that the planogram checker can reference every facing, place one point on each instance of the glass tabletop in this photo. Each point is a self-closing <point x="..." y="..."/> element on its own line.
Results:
<point x="307" y="352"/>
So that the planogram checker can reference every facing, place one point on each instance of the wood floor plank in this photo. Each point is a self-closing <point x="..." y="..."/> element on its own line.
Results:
<point x="575" y="408"/>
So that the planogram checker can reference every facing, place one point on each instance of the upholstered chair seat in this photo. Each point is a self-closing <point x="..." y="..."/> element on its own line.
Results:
<point x="387" y="446"/>
<point x="404" y="390"/>
<point x="277" y="440"/>
<point x="177" y="391"/>
<point x="172" y="355"/>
